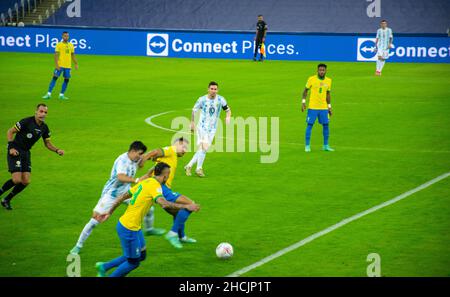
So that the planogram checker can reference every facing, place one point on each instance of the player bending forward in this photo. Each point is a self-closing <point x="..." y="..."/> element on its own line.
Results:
<point x="143" y="196"/>
<point x="122" y="176"/>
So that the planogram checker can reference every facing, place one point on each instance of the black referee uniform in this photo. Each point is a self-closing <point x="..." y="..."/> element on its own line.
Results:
<point x="28" y="133"/>
<point x="261" y="28"/>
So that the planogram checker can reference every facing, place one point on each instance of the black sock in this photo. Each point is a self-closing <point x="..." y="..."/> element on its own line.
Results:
<point x="17" y="189"/>
<point x="6" y="186"/>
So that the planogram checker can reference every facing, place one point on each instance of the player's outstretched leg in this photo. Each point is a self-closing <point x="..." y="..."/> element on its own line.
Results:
<point x="103" y="267"/>
<point x="148" y="223"/>
<point x="87" y="230"/>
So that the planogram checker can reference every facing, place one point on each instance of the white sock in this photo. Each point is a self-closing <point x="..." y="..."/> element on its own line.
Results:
<point x="61" y="94"/>
<point x="49" y="93"/>
<point x="382" y="64"/>
<point x="201" y="159"/>
<point x="193" y="160"/>
<point x="149" y="219"/>
<point x="172" y="234"/>
<point x="378" y="65"/>
<point x="86" y="232"/>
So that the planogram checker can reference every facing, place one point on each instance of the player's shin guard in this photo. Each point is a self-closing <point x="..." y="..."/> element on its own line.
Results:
<point x="201" y="158"/>
<point x="149" y="219"/>
<point x="6" y="186"/>
<point x="126" y="267"/>
<point x="52" y="84"/>
<point x="64" y="85"/>
<point x="16" y="190"/>
<point x="326" y="133"/>
<point x="87" y="230"/>
<point x="308" y="134"/>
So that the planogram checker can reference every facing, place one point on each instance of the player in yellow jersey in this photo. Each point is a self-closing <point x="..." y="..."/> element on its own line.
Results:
<point x="170" y="154"/>
<point x="143" y="195"/>
<point x="64" y="55"/>
<point x="319" y="105"/>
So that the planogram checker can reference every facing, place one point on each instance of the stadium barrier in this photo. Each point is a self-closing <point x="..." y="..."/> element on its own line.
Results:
<point x="430" y="48"/>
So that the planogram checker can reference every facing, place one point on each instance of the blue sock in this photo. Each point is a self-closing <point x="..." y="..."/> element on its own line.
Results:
<point x="64" y="86"/>
<point x="308" y="134"/>
<point x="124" y="268"/>
<point x="186" y="213"/>
<point x="52" y="84"/>
<point x="180" y="220"/>
<point x="114" y="263"/>
<point x="326" y="134"/>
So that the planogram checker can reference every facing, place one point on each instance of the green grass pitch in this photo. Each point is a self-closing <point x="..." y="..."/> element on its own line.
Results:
<point x="391" y="134"/>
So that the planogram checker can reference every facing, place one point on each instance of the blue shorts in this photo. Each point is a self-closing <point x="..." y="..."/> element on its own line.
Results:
<point x="132" y="241"/>
<point x="322" y="114"/>
<point x="64" y="71"/>
<point x="169" y="195"/>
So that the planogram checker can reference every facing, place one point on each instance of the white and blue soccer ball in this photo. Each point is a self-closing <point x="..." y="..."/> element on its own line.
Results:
<point x="224" y="250"/>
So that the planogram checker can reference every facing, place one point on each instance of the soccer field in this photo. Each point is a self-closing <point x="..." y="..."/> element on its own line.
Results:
<point x="391" y="134"/>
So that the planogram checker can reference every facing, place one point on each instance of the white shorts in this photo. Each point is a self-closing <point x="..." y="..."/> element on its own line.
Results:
<point x="383" y="53"/>
<point x="205" y="137"/>
<point x="105" y="204"/>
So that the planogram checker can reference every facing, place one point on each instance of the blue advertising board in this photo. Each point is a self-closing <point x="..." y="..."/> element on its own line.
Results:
<point x="224" y="45"/>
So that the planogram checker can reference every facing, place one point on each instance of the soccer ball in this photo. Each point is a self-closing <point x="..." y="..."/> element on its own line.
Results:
<point x="224" y="250"/>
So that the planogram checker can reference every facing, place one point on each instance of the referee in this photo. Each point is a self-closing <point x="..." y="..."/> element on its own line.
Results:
<point x="28" y="131"/>
<point x="260" y="37"/>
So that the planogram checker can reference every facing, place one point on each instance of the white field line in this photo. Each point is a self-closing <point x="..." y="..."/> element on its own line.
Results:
<point x="149" y="121"/>
<point x="337" y="226"/>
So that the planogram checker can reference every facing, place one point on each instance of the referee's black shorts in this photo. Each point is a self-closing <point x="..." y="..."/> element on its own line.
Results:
<point x="20" y="163"/>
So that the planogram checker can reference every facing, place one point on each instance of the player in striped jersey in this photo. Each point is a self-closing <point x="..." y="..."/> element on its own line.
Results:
<point x="122" y="176"/>
<point x="383" y="43"/>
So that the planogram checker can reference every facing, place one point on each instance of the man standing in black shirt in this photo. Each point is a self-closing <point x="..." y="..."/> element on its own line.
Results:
<point x="28" y="131"/>
<point x="260" y="37"/>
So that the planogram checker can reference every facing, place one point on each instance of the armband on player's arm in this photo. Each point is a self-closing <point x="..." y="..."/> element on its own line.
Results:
<point x="225" y="107"/>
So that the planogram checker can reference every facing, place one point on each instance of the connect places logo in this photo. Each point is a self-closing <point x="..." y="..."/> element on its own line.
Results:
<point x="366" y="49"/>
<point x="157" y="44"/>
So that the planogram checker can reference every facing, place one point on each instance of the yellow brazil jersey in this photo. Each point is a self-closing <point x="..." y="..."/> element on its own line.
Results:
<point x="144" y="194"/>
<point x="319" y="88"/>
<point x="170" y="158"/>
<point x="65" y="50"/>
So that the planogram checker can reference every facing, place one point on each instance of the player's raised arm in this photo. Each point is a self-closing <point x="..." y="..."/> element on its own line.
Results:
<point x="304" y="95"/>
<point x="176" y="206"/>
<point x="153" y="155"/>
<point x="10" y="136"/>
